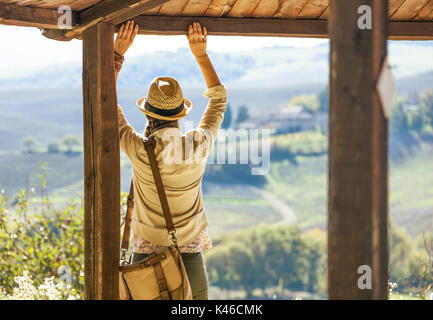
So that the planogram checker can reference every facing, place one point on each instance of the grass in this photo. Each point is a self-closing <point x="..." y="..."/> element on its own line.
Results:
<point x="301" y="186"/>
<point x="225" y="216"/>
<point x="402" y="296"/>
<point x="20" y="170"/>
<point x="411" y="196"/>
<point x="216" y="293"/>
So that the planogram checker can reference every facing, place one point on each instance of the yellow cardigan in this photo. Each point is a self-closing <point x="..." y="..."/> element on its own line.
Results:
<point x="181" y="174"/>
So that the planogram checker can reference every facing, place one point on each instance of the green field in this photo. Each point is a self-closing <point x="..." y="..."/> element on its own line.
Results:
<point x="300" y="185"/>
<point x="411" y="196"/>
<point x="303" y="186"/>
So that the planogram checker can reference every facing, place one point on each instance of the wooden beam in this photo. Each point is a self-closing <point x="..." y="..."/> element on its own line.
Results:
<point x="11" y="14"/>
<point x="174" y="25"/>
<point x="316" y="28"/>
<point x="358" y="150"/>
<point x="113" y="11"/>
<point x="101" y="165"/>
<point x="166" y="25"/>
<point x="410" y="30"/>
<point x="379" y="157"/>
<point x="57" y="34"/>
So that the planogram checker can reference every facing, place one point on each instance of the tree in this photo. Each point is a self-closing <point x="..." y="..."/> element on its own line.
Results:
<point x="53" y="147"/>
<point x="242" y="114"/>
<point x="323" y="98"/>
<point x="427" y="108"/>
<point x="401" y="250"/>
<point x="70" y="141"/>
<point x="415" y="120"/>
<point x="41" y="241"/>
<point x="227" y="118"/>
<point x="399" y="119"/>
<point x="309" y="102"/>
<point x="266" y="257"/>
<point x="29" y="144"/>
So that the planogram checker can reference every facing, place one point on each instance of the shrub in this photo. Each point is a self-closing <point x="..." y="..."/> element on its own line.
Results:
<point x="53" y="147"/>
<point x="29" y="144"/>
<point x="39" y="241"/>
<point x="268" y="257"/>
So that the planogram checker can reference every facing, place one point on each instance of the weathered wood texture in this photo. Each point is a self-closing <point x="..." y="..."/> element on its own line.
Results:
<point x="318" y="28"/>
<point x="409" y="9"/>
<point x="101" y="165"/>
<point x="357" y="195"/>
<point x="426" y="13"/>
<point x="411" y="19"/>
<point x="76" y="5"/>
<point x="233" y="26"/>
<point x="112" y="11"/>
<point x="31" y="17"/>
<point x="399" y="10"/>
<point x="413" y="30"/>
<point x="379" y="158"/>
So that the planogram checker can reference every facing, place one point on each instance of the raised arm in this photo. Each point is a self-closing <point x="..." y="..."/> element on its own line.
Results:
<point x="125" y="38"/>
<point x="129" y="139"/>
<point x="198" y="42"/>
<point x="213" y="116"/>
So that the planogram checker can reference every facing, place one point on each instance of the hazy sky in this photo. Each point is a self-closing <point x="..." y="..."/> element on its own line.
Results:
<point x="24" y="48"/>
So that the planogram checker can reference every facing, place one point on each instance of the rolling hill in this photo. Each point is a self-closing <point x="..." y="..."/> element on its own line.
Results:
<point x="48" y="103"/>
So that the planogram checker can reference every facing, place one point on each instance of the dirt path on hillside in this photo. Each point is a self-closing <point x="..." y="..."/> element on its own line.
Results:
<point x="289" y="216"/>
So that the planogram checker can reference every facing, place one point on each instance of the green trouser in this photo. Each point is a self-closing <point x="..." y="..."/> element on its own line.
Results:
<point x="195" y="270"/>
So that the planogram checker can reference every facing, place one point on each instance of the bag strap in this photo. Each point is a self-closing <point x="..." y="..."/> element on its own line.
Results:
<point x="128" y="219"/>
<point x="149" y="146"/>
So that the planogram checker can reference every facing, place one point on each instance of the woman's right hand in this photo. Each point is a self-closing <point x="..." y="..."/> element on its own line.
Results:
<point x="125" y="37"/>
<point x="197" y="40"/>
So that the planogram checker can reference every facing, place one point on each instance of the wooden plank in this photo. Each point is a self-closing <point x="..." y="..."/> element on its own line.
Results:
<point x="425" y="13"/>
<point x="394" y="5"/>
<point x="101" y="165"/>
<point x="379" y="158"/>
<point x="357" y="197"/>
<point x="173" y="7"/>
<point x="164" y="25"/>
<point x="408" y="10"/>
<point x="196" y="7"/>
<point x="76" y="5"/>
<point x="267" y="8"/>
<point x="220" y="8"/>
<point x="419" y="30"/>
<point x="325" y="14"/>
<point x="313" y="9"/>
<point x="31" y="17"/>
<point x="154" y="11"/>
<point x="243" y="8"/>
<point x="113" y="11"/>
<point x="290" y="8"/>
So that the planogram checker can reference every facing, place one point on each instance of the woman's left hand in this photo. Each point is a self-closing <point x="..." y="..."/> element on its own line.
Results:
<point x="125" y="37"/>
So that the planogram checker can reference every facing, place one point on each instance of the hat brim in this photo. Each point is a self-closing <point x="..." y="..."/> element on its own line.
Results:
<point x="186" y="110"/>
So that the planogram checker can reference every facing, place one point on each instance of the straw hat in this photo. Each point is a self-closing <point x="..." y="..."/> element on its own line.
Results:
<point x="165" y="100"/>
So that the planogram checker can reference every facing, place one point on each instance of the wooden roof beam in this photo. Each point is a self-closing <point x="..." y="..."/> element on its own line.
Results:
<point x="113" y="11"/>
<point x="316" y="28"/>
<point x="11" y="14"/>
<point x="410" y="30"/>
<point x="171" y="25"/>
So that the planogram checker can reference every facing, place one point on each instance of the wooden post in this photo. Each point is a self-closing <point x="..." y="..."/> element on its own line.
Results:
<point x="101" y="165"/>
<point x="357" y="203"/>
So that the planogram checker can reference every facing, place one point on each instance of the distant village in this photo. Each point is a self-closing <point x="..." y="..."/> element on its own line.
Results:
<point x="288" y="119"/>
